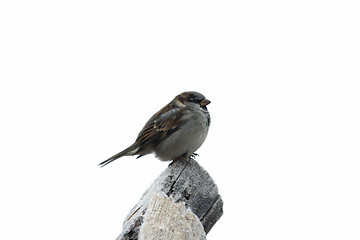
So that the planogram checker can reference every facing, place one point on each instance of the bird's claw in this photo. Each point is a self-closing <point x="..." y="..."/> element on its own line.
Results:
<point x="193" y="156"/>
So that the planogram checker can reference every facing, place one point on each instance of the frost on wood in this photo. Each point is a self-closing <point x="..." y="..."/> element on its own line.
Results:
<point x="182" y="203"/>
<point x="166" y="219"/>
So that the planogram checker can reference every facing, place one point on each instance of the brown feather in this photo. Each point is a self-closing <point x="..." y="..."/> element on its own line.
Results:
<point x="168" y="120"/>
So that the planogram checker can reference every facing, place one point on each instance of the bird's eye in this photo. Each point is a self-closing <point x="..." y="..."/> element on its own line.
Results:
<point x="195" y="100"/>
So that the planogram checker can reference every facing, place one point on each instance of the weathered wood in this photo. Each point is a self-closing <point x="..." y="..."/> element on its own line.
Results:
<point x="182" y="203"/>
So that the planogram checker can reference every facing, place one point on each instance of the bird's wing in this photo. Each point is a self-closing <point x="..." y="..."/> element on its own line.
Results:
<point x="165" y="122"/>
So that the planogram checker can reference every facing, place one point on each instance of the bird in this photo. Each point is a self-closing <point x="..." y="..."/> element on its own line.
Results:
<point x="176" y="131"/>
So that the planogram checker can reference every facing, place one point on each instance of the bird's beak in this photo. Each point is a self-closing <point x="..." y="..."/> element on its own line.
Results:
<point x="204" y="102"/>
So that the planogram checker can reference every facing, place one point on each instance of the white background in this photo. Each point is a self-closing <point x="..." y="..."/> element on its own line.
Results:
<point x="79" y="79"/>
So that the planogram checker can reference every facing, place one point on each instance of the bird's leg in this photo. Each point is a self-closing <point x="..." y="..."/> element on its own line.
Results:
<point x="186" y="158"/>
<point x="181" y="158"/>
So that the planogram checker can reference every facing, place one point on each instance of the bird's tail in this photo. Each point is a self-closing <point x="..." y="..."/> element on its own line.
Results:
<point x="127" y="152"/>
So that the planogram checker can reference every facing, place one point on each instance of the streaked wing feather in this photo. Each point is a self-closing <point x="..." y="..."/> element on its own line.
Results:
<point x="167" y="121"/>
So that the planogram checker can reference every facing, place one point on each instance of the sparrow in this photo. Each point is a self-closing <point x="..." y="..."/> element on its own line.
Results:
<point x="175" y="131"/>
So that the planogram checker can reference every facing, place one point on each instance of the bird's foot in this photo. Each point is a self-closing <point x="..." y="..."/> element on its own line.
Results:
<point x="182" y="158"/>
<point x="185" y="158"/>
<point x="193" y="156"/>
